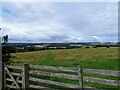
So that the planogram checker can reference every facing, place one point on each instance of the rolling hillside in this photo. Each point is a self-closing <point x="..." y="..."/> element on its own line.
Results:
<point x="98" y="58"/>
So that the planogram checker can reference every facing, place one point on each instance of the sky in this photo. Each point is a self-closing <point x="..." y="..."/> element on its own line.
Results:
<point x="50" y="22"/>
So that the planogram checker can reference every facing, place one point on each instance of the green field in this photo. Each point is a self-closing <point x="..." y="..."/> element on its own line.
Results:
<point x="96" y="58"/>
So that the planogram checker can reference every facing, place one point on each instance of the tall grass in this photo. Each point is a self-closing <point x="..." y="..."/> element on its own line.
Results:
<point x="95" y="58"/>
<point x="98" y="58"/>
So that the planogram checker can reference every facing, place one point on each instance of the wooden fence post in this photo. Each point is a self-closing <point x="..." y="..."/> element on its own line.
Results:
<point x="25" y="77"/>
<point x="80" y="71"/>
<point x="4" y="77"/>
<point x="2" y="74"/>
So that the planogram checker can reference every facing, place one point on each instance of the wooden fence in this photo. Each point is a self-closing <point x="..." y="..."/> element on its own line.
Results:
<point x="28" y="76"/>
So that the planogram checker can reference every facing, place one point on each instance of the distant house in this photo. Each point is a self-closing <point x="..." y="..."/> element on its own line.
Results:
<point x="62" y="47"/>
<point x="40" y="46"/>
<point x="53" y="47"/>
<point x="28" y="46"/>
<point x="20" y="48"/>
<point x="75" y="45"/>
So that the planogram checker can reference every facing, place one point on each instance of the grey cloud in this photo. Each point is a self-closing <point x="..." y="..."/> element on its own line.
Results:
<point x="59" y="22"/>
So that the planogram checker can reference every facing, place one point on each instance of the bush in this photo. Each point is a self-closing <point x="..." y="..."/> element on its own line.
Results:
<point x="6" y="50"/>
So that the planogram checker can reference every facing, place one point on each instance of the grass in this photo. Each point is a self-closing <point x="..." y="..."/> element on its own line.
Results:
<point x="94" y="58"/>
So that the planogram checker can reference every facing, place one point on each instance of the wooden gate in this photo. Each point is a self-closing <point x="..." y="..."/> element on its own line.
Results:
<point x="28" y="77"/>
<point x="13" y="81"/>
<point x="18" y="77"/>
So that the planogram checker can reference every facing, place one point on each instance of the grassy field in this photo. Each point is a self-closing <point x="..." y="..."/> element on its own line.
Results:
<point x="97" y="58"/>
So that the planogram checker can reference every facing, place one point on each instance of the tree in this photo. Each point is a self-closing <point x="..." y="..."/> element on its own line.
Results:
<point x="5" y="50"/>
<point x="5" y="39"/>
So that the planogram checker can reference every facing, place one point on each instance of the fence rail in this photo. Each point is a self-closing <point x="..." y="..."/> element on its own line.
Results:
<point x="89" y="71"/>
<point x="27" y="70"/>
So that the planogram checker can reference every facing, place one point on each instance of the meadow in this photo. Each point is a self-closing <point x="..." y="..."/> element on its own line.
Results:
<point x="95" y="58"/>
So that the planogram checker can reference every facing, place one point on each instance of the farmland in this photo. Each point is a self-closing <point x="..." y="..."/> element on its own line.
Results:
<point x="95" y="58"/>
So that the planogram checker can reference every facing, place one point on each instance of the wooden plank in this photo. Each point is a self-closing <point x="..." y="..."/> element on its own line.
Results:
<point x="101" y="81"/>
<point x="25" y="77"/>
<point x="14" y="67"/>
<point x="41" y="87"/>
<point x="54" y="83"/>
<point x="8" y="72"/>
<point x="16" y="74"/>
<point x="89" y="71"/>
<point x="91" y="88"/>
<point x="54" y="68"/>
<point x="38" y="87"/>
<point x="13" y="87"/>
<point x="59" y="75"/>
<point x="18" y="81"/>
<point x="102" y="72"/>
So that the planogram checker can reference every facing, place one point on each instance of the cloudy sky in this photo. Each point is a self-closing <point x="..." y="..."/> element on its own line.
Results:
<point x="60" y="21"/>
